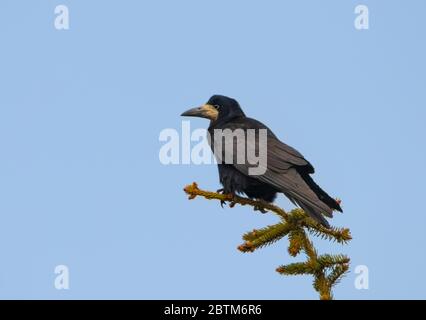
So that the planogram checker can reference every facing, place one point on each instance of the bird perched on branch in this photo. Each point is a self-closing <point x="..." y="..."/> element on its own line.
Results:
<point x="285" y="171"/>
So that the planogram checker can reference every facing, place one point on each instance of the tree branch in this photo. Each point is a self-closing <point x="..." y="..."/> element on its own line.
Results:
<point x="326" y="269"/>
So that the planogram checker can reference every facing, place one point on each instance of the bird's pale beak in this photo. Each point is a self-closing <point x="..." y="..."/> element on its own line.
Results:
<point x="206" y="111"/>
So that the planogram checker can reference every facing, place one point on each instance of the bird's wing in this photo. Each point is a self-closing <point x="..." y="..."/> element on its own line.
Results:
<point x="279" y="170"/>
<point x="281" y="156"/>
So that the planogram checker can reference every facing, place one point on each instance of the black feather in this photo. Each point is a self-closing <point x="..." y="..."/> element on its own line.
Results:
<point x="287" y="171"/>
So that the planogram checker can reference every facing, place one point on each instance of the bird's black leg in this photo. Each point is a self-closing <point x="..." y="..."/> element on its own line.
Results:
<point x="222" y="191"/>
<point x="259" y="208"/>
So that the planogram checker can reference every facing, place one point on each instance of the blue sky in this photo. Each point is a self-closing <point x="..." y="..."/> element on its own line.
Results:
<point x="81" y="111"/>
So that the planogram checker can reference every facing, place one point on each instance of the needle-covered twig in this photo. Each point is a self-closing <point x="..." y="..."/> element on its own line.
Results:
<point x="326" y="269"/>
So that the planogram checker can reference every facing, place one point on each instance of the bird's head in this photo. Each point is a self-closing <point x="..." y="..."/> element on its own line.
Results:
<point x="218" y="108"/>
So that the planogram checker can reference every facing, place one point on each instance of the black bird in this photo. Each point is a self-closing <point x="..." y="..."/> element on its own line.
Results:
<point x="287" y="171"/>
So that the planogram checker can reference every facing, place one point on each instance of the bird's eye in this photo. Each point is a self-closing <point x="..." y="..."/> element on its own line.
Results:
<point x="217" y="107"/>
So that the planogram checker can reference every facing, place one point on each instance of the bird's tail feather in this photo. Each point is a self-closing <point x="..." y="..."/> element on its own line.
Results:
<point x="321" y="194"/>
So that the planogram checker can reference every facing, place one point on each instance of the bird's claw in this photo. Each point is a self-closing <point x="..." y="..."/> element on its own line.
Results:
<point x="259" y="208"/>
<point x="222" y="202"/>
<point x="231" y="195"/>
